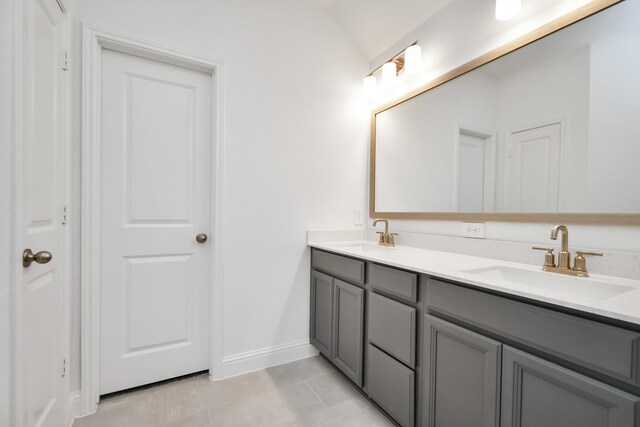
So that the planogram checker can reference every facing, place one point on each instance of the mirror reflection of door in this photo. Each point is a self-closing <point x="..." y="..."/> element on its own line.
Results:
<point x="475" y="190"/>
<point x="534" y="169"/>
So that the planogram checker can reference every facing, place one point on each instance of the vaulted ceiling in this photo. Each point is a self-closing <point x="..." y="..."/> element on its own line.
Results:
<point x="375" y="25"/>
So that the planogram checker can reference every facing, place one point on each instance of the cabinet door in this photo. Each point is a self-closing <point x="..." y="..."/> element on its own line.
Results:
<point x="321" y="332"/>
<point x="462" y="377"/>
<point x="348" y="329"/>
<point x="536" y="393"/>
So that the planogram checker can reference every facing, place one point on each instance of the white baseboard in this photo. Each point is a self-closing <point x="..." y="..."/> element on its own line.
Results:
<point x="73" y="408"/>
<point x="254" y="360"/>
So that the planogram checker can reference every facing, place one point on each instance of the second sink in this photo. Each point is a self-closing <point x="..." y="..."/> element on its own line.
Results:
<point x="580" y="287"/>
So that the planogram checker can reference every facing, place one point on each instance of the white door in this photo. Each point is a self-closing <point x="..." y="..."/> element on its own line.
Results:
<point x="534" y="181"/>
<point x="155" y="173"/>
<point x="40" y="200"/>
<point x="470" y="173"/>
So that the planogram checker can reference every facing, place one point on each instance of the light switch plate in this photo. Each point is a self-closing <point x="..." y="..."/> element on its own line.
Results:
<point x="357" y="217"/>
<point x="474" y="230"/>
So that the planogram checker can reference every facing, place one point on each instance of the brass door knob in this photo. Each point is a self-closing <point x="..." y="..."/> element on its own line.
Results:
<point x="41" y="257"/>
<point x="201" y="238"/>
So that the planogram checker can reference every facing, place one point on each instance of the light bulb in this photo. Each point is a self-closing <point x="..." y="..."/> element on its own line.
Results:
<point x="369" y="86"/>
<point x="388" y="73"/>
<point x="412" y="58"/>
<point x="507" y="9"/>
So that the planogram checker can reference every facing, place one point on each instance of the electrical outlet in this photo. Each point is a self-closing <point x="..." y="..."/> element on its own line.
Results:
<point x="474" y="230"/>
<point x="357" y="217"/>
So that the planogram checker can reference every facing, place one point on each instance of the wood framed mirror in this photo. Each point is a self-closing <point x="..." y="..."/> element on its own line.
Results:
<point x="542" y="129"/>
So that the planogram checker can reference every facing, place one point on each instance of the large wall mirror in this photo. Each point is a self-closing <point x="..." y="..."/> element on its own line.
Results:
<point x="548" y="131"/>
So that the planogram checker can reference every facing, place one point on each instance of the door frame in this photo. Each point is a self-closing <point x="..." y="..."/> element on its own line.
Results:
<point x="490" y="149"/>
<point x="94" y="41"/>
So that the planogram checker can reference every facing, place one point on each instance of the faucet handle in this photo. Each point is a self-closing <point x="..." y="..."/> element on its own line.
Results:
<point x="579" y="263"/>
<point x="586" y="253"/>
<point x="549" y="257"/>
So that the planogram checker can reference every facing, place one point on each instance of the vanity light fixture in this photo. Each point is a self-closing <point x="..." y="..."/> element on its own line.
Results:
<point x="389" y="72"/>
<point x="507" y="9"/>
<point x="408" y="59"/>
<point x="369" y="86"/>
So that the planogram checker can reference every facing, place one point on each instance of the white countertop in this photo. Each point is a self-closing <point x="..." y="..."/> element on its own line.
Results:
<point x="625" y="306"/>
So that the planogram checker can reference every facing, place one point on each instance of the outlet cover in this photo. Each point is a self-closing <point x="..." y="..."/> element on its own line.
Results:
<point x="475" y="230"/>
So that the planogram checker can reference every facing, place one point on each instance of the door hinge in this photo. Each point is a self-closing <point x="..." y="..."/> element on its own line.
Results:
<point x="65" y="366"/>
<point x="66" y="63"/>
<point x="65" y="214"/>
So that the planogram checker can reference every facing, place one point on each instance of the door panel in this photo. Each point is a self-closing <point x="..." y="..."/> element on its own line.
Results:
<point x="156" y="166"/>
<point x="41" y="198"/>
<point x="460" y="366"/>
<point x="322" y="312"/>
<point x="471" y="173"/>
<point x="539" y="393"/>
<point x="348" y="329"/>
<point x="535" y="169"/>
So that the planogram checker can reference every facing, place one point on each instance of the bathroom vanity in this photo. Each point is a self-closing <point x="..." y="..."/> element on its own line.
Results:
<point x="441" y="339"/>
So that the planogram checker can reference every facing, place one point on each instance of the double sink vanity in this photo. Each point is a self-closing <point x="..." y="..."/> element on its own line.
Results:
<point x="442" y="339"/>
<point x="535" y="131"/>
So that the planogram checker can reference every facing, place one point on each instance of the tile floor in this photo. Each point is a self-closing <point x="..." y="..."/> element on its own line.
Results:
<point x="307" y="392"/>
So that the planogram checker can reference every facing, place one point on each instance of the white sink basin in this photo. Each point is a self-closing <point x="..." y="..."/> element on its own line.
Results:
<point x="585" y="287"/>
<point x="363" y="247"/>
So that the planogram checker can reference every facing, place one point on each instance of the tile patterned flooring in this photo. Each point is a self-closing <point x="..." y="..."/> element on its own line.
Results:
<point x="308" y="392"/>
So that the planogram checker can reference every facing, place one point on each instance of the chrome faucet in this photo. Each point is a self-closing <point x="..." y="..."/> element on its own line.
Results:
<point x="386" y="238"/>
<point x="564" y="256"/>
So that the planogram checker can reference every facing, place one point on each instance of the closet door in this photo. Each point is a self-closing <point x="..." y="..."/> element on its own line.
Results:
<point x="156" y="198"/>
<point x="40" y="302"/>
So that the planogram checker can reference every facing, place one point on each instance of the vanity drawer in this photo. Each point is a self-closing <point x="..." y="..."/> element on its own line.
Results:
<point x="336" y="265"/>
<point x="392" y="386"/>
<point x="603" y="348"/>
<point x="392" y="327"/>
<point x="398" y="283"/>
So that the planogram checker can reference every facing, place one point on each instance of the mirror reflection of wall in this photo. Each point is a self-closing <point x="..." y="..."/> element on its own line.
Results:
<point x="552" y="127"/>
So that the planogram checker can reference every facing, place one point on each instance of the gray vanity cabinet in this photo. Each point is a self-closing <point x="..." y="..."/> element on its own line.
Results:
<point x="536" y="393"/>
<point x="337" y="313"/>
<point x="462" y="377"/>
<point x="439" y="354"/>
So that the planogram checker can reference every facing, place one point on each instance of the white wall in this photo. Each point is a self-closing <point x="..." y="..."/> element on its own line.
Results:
<point x="6" y="178"/>
<point x="295" y="145"/>
<point x="523" y="102"/>
<point x="459" y="33"/>
<point x="407" y="162"/>
<point x="615" y="130"/>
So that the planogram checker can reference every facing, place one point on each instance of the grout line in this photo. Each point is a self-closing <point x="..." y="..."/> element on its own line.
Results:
<point x="316" y="395"/>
